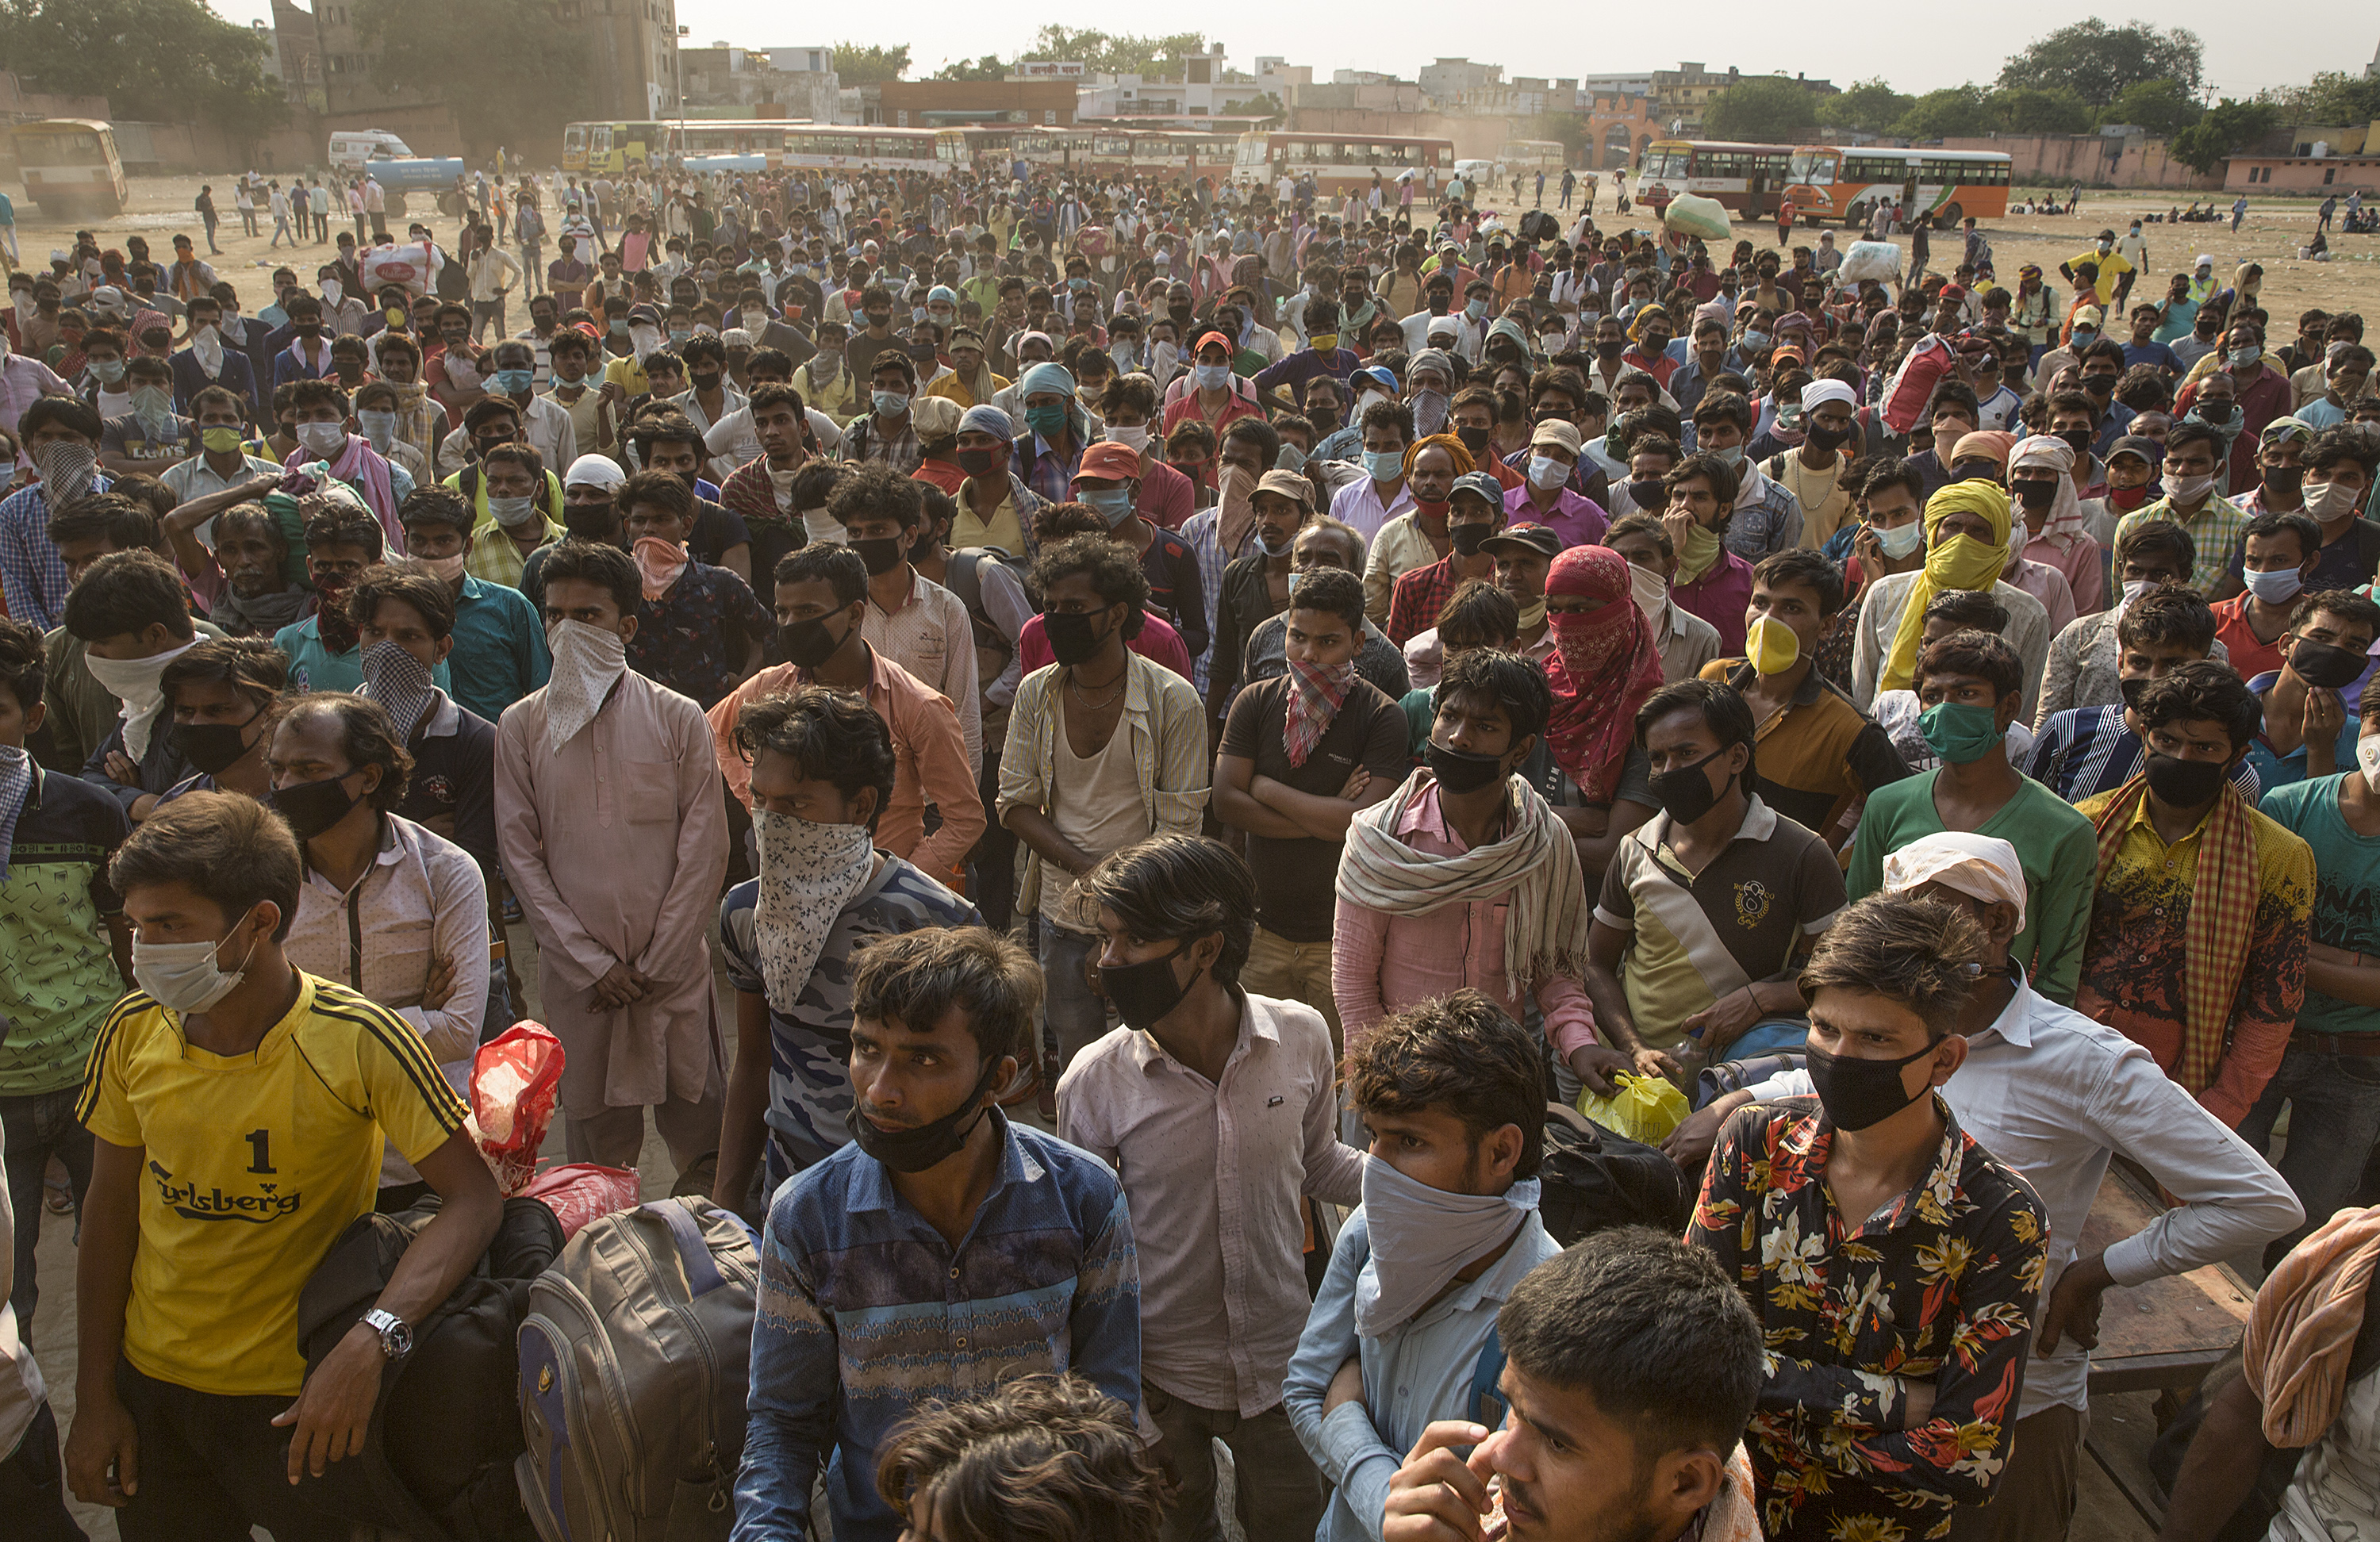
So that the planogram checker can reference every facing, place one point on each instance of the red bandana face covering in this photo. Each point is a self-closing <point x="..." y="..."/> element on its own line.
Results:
<point x="1318" y="696"/>
<point x="1604" y="664"/>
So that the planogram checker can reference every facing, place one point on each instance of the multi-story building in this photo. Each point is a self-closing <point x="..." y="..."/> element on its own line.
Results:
<point x="1682" y="95"/>
<point x="795" y="83"/>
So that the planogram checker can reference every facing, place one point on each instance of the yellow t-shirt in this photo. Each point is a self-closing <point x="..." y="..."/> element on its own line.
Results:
<point x="2112" y="268"/>
<point x="1002" y="529"/>
<point x="251" y="1168"/>
<point x="628" y="371"/>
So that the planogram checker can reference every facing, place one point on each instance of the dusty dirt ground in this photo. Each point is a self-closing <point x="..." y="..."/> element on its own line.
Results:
<point x="2274" y="230"/>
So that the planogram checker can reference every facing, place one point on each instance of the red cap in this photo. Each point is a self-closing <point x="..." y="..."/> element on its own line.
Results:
<point x="1213" y="337"/>
<point x="1112" y="461"/>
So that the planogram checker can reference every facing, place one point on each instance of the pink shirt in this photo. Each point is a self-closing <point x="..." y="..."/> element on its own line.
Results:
<point x="1158" y="642"/>
<point x="1214" y="1172"/>
<point x="1381" y="963"/>
<point x="2082" y="563"/>
<point x="2047" y="585"/>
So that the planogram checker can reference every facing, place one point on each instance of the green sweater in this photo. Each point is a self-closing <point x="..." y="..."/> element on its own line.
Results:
<point x="2057" y="847"/>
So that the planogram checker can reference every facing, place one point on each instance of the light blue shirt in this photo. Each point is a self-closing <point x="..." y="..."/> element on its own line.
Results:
<point x="1419" y="1373"/>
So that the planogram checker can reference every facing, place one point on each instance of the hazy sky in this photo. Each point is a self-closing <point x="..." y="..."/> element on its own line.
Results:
<point x="2243" y="54"/>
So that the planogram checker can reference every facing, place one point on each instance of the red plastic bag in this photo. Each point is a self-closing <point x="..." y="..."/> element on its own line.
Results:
<point x="1904" y="403"/>
<point x="583" y="1191"/>
<point x="515" y="1079"/>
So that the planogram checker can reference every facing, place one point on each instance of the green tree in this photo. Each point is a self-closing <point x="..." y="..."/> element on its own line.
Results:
<point x="1869" y="106"/>
<point x="2026" y="111"/>
<point x="1954" y="111"/>
<point x="2229" y="128"/>
<point x="149" y="58"/>
<point x="1263" y="105"/>
<point x="988" y="67"/>
<point x="1768" y="109"/>
<point x="857" y="65"/>
<point x="471" y="50"/>
<point x="2330" y="97"/>
<point x="2158" y="106"/>
<point x="1118" y="54"/>
<point x="2096" y="61"/>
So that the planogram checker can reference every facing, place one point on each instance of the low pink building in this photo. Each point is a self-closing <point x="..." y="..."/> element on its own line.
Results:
<point x="2304" y="174"/>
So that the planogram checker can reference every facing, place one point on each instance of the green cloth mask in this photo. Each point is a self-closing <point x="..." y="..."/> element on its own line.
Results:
<point x="1960" y="731"/>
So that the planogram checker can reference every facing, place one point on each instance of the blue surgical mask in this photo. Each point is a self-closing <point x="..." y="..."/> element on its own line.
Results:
<point x="1475" y="309"/>
<point x="512" y="383"/>
<point x="1112" y="503"/>
<point x="2276" y="585"/>
<point x="1757" y="339"/>
<point x="1731" y="457"/>
<point x="1384" y="466"/>
<point x="889" y="404"/>
<point x="1900" y="540"/>
<point x="1212" y="377"/>
<point x="679" y="335"/>
<point x="2241" y="358"/>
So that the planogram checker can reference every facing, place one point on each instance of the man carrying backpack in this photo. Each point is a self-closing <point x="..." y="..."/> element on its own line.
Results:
<point x="1453" y="1094"/>
<point x="943" y="1250"/>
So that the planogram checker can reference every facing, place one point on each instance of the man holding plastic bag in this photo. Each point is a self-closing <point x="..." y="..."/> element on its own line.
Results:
<point x="1709" y="908"/>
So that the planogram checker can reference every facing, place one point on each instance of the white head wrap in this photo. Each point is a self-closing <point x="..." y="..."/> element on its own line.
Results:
<point x="1981" y="866"/>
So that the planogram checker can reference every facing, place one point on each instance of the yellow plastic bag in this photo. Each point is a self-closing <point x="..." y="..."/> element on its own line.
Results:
<point x="1646" y="1107"/>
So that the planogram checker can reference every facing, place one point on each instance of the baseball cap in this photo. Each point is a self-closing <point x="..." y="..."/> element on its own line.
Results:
<point x="1481" y="484"/>
<point x="2150" y="452"/>
<point x="1534" y="539"/>
<point x="1106" y="459"/>
<point x="1288" y="484"/>
<point x="644" y="313"/>
<point x="2090" y="316"/>
<point x="1557" y="433"/>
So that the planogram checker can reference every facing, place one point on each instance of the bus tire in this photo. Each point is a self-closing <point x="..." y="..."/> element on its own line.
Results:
<point x="1951" y="214"/>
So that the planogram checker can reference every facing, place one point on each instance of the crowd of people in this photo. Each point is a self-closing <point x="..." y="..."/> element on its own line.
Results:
<point x="1191" y="717"/>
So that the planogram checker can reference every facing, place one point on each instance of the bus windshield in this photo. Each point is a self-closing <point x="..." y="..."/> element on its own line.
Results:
<point x="58" y="149"/>
<point x="1815" y="167"/>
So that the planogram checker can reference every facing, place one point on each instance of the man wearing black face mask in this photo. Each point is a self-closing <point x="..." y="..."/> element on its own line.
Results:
<point x="1886" y="987"/>
<point x="940" y="1025"/>
<point x="910" y="619"/>
<point x="338" y="772"/>
<point x="1199" y="1055"/>
<point x="1669" y="999"/>
<point x="1105" y="748"/>
<point x="2309" y="732"/>
<point x="2197" y="945"/>
<point x="822" y="593"/>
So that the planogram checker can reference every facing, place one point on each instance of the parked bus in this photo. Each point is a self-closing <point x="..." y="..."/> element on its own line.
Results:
<point x="1747" y="179"/>
<point x="820" y="147"/>
<point x="977" y="146"/>
<point x="1833" y="182"/>
<point x="595" y="148"/>
<point x="70" y="168"/>
<point x="1340" y="164"/>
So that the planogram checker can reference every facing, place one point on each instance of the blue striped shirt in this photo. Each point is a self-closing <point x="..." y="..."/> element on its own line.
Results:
<point x="2085" y="751"/>
<point x="866" y="1312"/>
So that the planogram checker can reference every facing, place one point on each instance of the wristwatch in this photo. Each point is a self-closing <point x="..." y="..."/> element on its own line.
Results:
<point x="395" y="1339"/>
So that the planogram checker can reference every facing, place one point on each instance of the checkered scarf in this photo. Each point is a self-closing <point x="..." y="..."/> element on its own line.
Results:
<point x="2222" y="919"/>
<point x="1319" y="696"/>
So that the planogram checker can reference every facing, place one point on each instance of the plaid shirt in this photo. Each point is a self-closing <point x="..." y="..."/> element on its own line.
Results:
<point x="1051" y="477"/>
<point x="1201" y="530"/>
<point x="1418" y="597"/>
<point x="2215" y="530"/>
<point x="1938" y="1287"/>
<point x="492" y="558"/>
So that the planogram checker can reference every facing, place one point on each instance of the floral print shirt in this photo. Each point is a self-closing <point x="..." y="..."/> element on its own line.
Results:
<point x="695" y="639"/>
<point x="1938" y="1286"/>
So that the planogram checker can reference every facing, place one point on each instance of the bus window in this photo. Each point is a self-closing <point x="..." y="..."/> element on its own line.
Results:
<point x="573" y="140"/>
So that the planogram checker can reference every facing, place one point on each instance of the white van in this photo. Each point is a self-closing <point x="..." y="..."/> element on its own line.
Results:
<point x="351" y="148"/>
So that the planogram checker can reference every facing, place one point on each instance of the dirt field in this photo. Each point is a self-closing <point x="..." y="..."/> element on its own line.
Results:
<point x="2275" y="228"/>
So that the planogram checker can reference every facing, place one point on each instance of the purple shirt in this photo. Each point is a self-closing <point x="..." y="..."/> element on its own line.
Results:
<point x="1578" y="519"/>
<point x="1719" y="596"/>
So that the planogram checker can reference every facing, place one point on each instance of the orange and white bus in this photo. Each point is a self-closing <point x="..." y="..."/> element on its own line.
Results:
<point x="1341" y="163"/>
<point x="1846" y="183"/>
<point x="1747" y="179"/>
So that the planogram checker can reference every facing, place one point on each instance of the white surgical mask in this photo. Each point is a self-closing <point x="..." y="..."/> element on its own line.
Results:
<point x="2183" y="492"/>
<point x="1547" y="472"/>
<point x="323" y="439"/>
<point x="184" y="977"/>
<point x="1135" y="439"/>
<point x="1650" y="591"/>
<point x="512" y="513"/>
<point x="1901" y="540"/>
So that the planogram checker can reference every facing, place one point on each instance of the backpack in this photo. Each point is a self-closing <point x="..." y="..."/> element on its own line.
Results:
<point x="634" y="1362"/>
<point x="993" y="647"/>
<point x="1594" y="1179"/>
<point x="437" y="1463"/>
